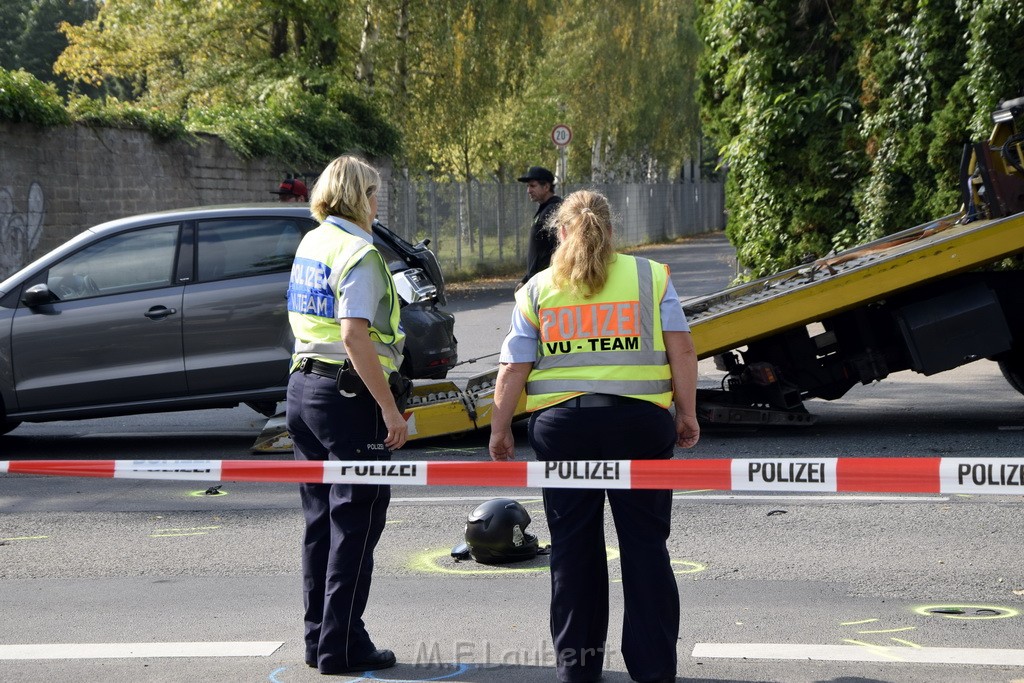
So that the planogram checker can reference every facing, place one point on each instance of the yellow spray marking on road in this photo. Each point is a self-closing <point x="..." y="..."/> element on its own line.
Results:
<point x="880" y="650"/>
<point x="691" y="568"/>
<point x="203" y="494"/>
<point x="23" y="538"/>
<point x="906" y="642"/>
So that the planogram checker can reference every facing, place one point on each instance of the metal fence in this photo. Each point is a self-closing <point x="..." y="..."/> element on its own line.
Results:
<point x="476" y="225"/>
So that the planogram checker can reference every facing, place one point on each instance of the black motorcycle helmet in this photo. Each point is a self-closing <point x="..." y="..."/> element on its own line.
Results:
<point x="496" y="532"/>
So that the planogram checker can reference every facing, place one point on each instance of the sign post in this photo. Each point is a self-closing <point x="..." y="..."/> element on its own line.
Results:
<point x="561" y="135"/>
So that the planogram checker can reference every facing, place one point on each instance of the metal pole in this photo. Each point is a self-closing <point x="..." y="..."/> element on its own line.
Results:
<point x="499" y="211"/>
<point x="458" y="226"/>
<point x="432" y="193"/>
<point x="480" y="217"/>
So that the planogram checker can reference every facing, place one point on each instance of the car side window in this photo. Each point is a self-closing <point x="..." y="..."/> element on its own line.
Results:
<point x="245" y="247"/>
<point x="129" y="262"/>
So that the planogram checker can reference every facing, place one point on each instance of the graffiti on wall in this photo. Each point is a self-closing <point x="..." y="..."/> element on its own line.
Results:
<point x="19" y="231"/>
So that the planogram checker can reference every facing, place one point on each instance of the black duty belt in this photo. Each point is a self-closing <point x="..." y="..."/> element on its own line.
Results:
<point x="597" y="401"/>
<point x="311" y="366"/>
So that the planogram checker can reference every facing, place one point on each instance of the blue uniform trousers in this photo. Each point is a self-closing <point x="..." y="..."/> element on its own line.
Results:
<point x="343" y="521"/>
<point x="635" y="430"/>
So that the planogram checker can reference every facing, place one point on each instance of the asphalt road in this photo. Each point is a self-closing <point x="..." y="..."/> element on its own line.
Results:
<point x="774" y="588"/>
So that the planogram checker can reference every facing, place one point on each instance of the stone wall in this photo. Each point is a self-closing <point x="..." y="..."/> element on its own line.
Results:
<point x="56" y="182"/>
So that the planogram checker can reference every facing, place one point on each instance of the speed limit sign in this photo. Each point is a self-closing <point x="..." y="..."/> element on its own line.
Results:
<point x="561" y="135"/>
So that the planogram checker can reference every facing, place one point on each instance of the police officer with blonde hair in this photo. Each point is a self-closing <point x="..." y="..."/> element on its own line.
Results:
<point x="344" y="313"/>
<point x="600" y="344"/>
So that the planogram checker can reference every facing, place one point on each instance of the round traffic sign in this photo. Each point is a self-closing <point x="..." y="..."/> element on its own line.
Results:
<point x="561" y="135"/>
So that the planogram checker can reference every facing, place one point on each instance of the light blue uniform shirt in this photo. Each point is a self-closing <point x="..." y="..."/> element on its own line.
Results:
<point x="520" y="346"/>
<point x="361" y="290"/>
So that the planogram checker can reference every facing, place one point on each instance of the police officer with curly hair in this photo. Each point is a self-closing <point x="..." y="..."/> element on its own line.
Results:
<point x="600" y="344"/>
<point x="344" y="313"/>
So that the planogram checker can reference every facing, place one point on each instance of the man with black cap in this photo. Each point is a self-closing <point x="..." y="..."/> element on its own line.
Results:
<point x="540" y="185"/>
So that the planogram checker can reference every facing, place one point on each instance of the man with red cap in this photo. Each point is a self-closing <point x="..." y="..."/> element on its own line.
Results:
<point x="292" y="190"/>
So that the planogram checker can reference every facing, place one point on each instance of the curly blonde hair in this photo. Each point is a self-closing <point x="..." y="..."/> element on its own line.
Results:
<point x="344" y="190"/>
<point x="580" y="263"/>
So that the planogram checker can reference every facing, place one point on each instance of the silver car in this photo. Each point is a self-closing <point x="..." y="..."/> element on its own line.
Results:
<point x="182" y="310"/>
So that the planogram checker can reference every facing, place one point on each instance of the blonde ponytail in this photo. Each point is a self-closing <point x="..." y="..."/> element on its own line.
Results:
<point x="580" y="264"/>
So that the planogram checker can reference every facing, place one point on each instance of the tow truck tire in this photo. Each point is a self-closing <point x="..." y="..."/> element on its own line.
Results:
<point x="1013" y="370"/>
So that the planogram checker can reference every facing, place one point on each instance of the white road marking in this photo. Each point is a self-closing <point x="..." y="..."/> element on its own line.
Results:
<point x="860" y="653"/>
<point x="136" y="650"/>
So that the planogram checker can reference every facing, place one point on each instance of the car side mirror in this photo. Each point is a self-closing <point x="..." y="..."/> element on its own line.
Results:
<point x="37" y="295"/>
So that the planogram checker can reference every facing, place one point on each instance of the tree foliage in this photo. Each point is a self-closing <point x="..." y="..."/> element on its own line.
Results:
<point x="465" y="62"/>
<point x="263" y="75"/>
<point x="779" y="97"/>
<point x="626" y="75"/>
<point x="844" y="120"/>
<point x="472" y="86"/>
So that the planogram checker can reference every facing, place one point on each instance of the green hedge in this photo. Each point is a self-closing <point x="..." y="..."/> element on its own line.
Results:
<point x="26" y="99"/>
<point x="289" y="124"/>
<point x="112" y="113"/>
<point x="300" y="126"/>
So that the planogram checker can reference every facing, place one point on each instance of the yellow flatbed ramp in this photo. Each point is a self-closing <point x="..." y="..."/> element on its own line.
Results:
<point x="734" y="317"/>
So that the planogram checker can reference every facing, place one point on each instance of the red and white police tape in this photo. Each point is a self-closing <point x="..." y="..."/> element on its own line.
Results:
<point x="863" y="475"/>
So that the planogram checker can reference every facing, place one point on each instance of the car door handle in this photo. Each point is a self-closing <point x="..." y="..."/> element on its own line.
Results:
<point x="160" y="312"/>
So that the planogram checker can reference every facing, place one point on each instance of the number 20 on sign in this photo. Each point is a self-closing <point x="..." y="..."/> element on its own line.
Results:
<point x="561" y="135"/>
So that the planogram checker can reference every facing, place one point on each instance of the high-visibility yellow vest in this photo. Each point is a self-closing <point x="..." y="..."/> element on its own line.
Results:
<point x="609" y="343"/>
<point x="323" y="259"/>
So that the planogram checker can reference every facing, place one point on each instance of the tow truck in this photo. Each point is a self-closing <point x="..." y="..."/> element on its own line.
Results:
<point x="928" y="299"/>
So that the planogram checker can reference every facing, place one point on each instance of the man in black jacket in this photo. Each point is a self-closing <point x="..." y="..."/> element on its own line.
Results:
<point x="540" y="185"/>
